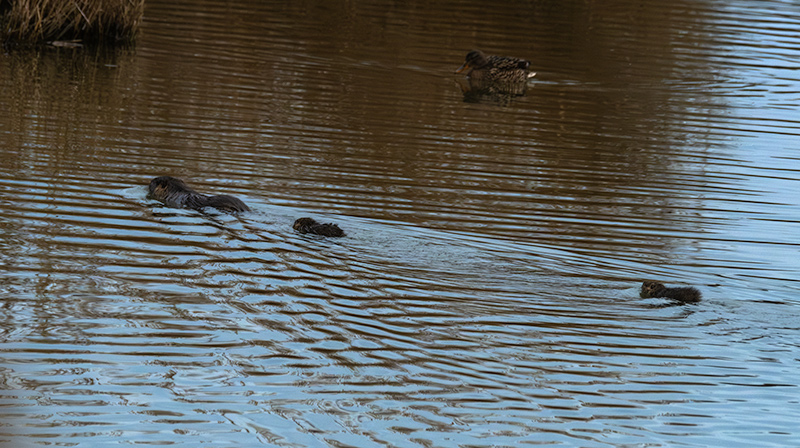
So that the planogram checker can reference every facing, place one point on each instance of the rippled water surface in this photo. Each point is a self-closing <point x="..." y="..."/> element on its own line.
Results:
<point x="487" y="292"/>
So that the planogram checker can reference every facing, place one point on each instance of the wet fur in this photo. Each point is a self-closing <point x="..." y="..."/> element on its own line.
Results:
<point x="681" y="294"/>
<point x="175" y="193"/>
<point x="309" y="225"/>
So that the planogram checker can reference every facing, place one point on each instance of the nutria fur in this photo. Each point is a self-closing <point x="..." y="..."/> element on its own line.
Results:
<point x="175" y="193"/>
<point x="309" y="225"/>
<point x="656" y="289"/>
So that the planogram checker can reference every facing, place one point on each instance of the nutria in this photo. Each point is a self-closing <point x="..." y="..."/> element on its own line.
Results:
<point x="656" y="289"/>
<point x="309" y="225"/>
<point x="175" y="193"/>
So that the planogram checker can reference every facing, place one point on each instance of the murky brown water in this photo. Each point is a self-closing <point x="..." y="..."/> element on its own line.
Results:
<point x="486" y="293"/>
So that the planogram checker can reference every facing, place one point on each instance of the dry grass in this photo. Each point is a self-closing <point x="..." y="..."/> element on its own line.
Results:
<point x="55" y="20"/>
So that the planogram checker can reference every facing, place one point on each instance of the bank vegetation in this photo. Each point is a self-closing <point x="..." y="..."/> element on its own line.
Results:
<point x="40" y="21"/>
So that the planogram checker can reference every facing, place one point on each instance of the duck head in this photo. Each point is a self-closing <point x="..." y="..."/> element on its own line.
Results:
<point x="475" y="60"/>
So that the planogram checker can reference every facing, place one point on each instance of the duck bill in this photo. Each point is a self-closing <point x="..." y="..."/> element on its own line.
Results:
<point x="463" y="67"/>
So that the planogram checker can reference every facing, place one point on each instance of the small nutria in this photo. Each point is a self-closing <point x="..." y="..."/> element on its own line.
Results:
<point x="175" y="193"/>
<point x="309" y="225"/>
<point x="656" y="289"/>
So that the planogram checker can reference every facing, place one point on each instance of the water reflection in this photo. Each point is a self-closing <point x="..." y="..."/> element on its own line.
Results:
<point x="502" y="94"/>
<point x="487" y="291"/>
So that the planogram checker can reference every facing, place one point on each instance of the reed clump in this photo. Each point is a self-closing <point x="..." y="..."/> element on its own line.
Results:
<point x="35" y="21"/>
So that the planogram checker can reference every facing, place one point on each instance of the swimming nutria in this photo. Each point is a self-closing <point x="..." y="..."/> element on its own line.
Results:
<point x="495" y="68"/>
<point x="656" y="289"/>
<point x="308" y="225"/>
<point x="175" y="193"/>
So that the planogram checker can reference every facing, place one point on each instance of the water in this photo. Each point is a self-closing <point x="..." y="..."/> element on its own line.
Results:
<point x="486" y="293"/>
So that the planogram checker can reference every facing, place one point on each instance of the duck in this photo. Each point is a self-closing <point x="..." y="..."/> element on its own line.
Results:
<point x="495" y="68"/>
<point x="681" y="294"/>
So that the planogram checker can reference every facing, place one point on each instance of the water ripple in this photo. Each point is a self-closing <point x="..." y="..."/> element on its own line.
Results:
<point x="487" y="291"/>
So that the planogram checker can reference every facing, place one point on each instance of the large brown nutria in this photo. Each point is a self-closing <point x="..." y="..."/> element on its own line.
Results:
<point x="175" y="193"/>
<point x="683" y="294"/>
<point x="309" y="225"/>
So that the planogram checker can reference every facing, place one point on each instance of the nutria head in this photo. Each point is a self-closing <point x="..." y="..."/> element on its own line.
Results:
<point x="652" y="289"/>
<point x="304" y="224"/>
<point x="163" y="187"/>
<point x="163" y="184"/>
